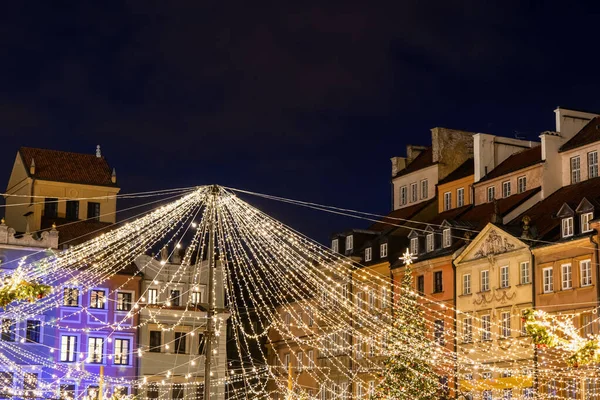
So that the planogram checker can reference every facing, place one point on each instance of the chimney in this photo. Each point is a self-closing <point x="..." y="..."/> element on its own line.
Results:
<point x="496" y="217"/>
<point x="413" y="151"/>
<point x="113" y="177"/>
<point x="98" y="152"/>
<point x="398" y="164"/>
<point x="32" y="167"/>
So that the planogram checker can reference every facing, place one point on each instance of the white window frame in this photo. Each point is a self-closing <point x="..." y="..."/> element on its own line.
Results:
<point x="548" y="279"/>
<point x="383" y="250"/>
<point x="567" y="227"/>
<point x="414" y="194"/>
<point x="335" y="245"/>
<point x="491" y="193"/>
<point x="575" y="163"/>
<point x="311" y="358"/>
<point x="368" y="254"/>
<point x="592" y="158"/>
<point x="467" y="330"/>
<point x="460" y="197"/>
<point x="90" y="351"/>
<point x="447" y="201"/>
<point x="447" y="237"/>
<point x="585" y="272"/>
<point x="525" y="273"/>
<point x="71" y="288"/>
<point x="414" y="245"/>
<point x="69" y="348"/>
<point x="384" y="296"/>
<point x="485" y="280"/>
<point x="152" y="299"/>
<point x="585" y="222"/>
<point x="349" y="242"/>
<point x="505" y="324"/>
<point x="371" y="299"/>
<point x="466" y="284"/>
<point x="430" y="242"/>
<point x="521" y="184"/>
<point x="403" y="195"/>
<point x="299" y="361"/>
<point x="132" y="302"/>
<point x="486" y="327"/>
<point x="566" y="276"/>
<point x="424" y="189"/>
<point x="504" y="277"/>
<point x="506" y="189"/>
<point x="128" y="355"/>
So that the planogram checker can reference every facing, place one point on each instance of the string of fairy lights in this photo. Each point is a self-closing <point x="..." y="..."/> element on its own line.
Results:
<point x="326" y="321"/>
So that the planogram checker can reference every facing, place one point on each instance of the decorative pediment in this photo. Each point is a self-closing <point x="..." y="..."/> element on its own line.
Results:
<point x="413" y="234"/>
<point x="584" y="206"/>
<point x="445" y="224"/>
<point x="490" y="242"/>
<point x="495" y="243"/>
<point x="429" y="229"/>
<point x="565" y="211"/>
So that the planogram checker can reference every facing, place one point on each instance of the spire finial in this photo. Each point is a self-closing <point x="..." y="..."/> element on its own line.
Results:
<point x="98" y="152"/>
<point x="32" y="166"/>
<point x="113" y="177"/>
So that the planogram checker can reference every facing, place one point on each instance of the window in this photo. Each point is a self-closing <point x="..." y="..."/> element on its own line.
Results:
<point x="491" y="194"/>
<point x="50" y="207"/>
<point x="335" y="245"/>
<point x="403" y="195"/>
<point x="586" y="272"/>
<point x="506" y="189"/>
<point x="67" y="391"/>
<point x="438" y="331"/>
<point x="68" y="347"/>
<point x="155" y="341"/>
<point x="592" y="164"/>
<point x="368" y="254"/>
<point x="33" y="332"/>
<point x="485" y="280"/>
<point x="288" y="319"/>
<point x="548" y="280"/>
<point x="349" y="242"/>
<point x="421" y="284"/>
<point x="521" y="184"/>
<point x="437" y="282"/>
<point x="466" y="284"/>
<point x="446" y="237"/>
<point x="429" y="242"/>
<point x="299" y="358"/>
<point x="571" y="388"/>
<point x="460" y="197"/>
<point x="525" y="275"/>
<point x="95" y="350"/>
<point x="528" y="393"/>
<point x="93" y="210"/>
<point x="70" y="297"/>
<point x="311" y="319"/>
<point x="6" y="384"/>
<point x="178" y="391"/>
<point x="383" y="250"/>
<point x="93" y="392"/>
<point x="504" y="282"/>
<point x="567" y="227"/>
<point x="414" y="245"/>
<point x="196" y="298"/>
<point x="447" y="201"/>
<point x="586" y="325"/>
<point x="72" y="209"/>
<point x="153" y="391"/>
<point x="175" y="297"/>
<point x="180" y="342"/>
<point x="424" y="189"/>
<point x="121" y="351"/>
<point x="575" y="170"/>
<point x="486" y="328"/>
<point x="371" y="299"/>
<point x="467" y="330"/>
<point x="371" y="388"/>
<point x="567" y="277"/>
<point x="505" y="318"/>
<point x="30" y="382"/>
<point x="202" y="343"/>
<point x="487" y="395"/>
<point x="311" y="358"/>
<point x="507" y="394"/>
<point x="8" y="330"/>
<point x="413" y="193"/>
<point x="359" y="300"/>
<point x="152" y="296"/>
<point x="124" y="301"/>
<point x="97" y="298"/>
<point x="585" y="222"/>
<point x="384" y="297"/>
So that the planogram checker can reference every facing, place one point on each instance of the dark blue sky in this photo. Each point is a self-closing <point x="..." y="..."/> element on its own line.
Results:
<point x="307" y="100"/>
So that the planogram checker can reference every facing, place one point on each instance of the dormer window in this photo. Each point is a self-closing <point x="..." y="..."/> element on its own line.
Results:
<point x="429" y="242"/>
<point x="383" y="250"/>
<point x="368" y="254"/>
<point x="567" y="227"/>
<point x="506" y="189"/>
<point x="446" y="237"/>
<point x="491" y="194"/>
<point x="414" y="245"/>
<point x="335" y="246"/>
<point x="585" y="222"/>
<point x="349" y="242"/>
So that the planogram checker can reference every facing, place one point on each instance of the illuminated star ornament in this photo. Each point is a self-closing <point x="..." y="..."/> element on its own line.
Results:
<point x="408" y="257"/>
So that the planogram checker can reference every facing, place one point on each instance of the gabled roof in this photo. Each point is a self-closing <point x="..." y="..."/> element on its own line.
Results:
<point x="64" y="166"/>
<point x="515" y="162"/>
<point x="423" y="160"/>
<point x="588" y="134"/>
<point x="467" y="168"/>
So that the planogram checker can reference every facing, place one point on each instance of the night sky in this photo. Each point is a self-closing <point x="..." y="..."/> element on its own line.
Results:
<point x="306" y="100"/>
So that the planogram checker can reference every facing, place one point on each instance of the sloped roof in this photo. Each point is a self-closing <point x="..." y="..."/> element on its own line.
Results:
<point x="467" y="168"/>
<point x="515" y="162"/>
<point x="64" y="166"/>
<point x="423" y="160"/>
<point x="590" y="133"/>
<point x="396" y="217"/>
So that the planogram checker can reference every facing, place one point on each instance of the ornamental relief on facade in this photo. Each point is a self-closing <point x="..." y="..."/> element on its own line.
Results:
<point x="494" y="244"/>
<point x="501" y="296"/>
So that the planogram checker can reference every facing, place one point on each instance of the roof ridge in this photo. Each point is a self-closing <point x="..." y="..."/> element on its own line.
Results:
<point x="59" y="151"/>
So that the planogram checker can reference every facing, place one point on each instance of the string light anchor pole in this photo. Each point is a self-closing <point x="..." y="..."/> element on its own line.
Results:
<point x="208" y="333"/>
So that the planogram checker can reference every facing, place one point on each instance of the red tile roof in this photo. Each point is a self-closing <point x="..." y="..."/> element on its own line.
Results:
<point x="467" y="168"/>
<point x="64" y="166"/>
<point x="515" y="162"/>
<point x="588" y="134"/>
<point x="398" y="217"/>
<point x="423" y="160"/>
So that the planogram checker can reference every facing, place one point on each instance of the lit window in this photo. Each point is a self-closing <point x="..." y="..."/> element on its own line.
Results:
<point x="438" y="331"/>
<point x="460" y="197"/>
<point x="8" y="330"/>
<point x="368" y="254"/>
<point x="585" y="222"/>
<point x="403" y="195"/>
<point x="486" y="328"/>
<point x="335" y="247"/>
<point x="467" y="284"/>
<point x="299" y="358"/>
<point x="383" y="250"/>
<point x="567" y="227"/>
<point x="196" y="298"/>
<point x="447" y="237"/>
<point x="121" y="356"/>
<point x="521" y="184"/>
<point x="575" y="170"/>
<point x="525" y="275"/>
<point x="505" y="318"/>
<point x="430" y="242"/>
<point x="447" y="201"/>
<point x="371" y="299"/>
<point x="505" y="189"/>
<point x="567" y="278"/>
<point x="413" y="192"/>
<point x="68" y="347"/>
<point x="384" y="297"/>
<point x="95" y="350"/>
<point x="97" y="298"/>
<point x="548" y="277"/>
<point x="504" y="283"/>
<point x="33" y="332"/>
<point x="424" y="189"/>
<point x="467" y="330"/>
<point x="124" y="301"/>
<point x="70" y="297"/>
<point x="485" y="280"/>
<point x="491" y="194"/>
<point x="586" y="272"/>
<point x="414" y="245"/>
<point x="349" y="242"/>
<point x="152" y="296"/>
<point x="592" y="164"/>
